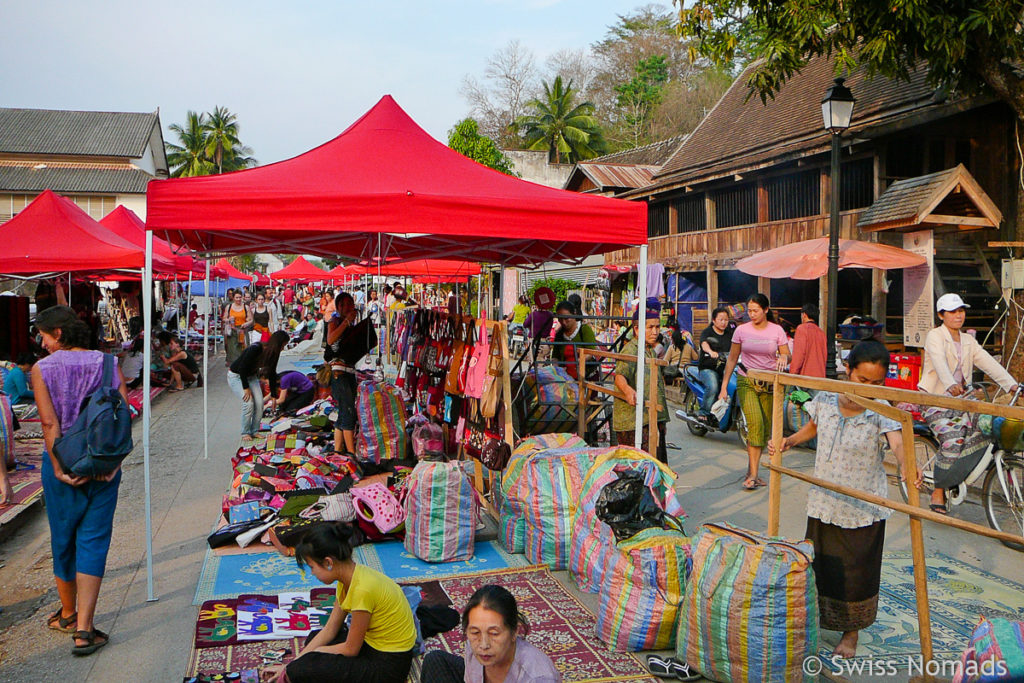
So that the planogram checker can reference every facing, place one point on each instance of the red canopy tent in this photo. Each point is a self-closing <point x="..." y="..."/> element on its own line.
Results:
<point x="127" y="224"/>
<point x="300" y="270"/>
<point x="385" y="178"/>
<point x="429" y="267"/>
<point x="52" y="234"/>
<point x="261" y="280"/>
<point x="230" y="270"/>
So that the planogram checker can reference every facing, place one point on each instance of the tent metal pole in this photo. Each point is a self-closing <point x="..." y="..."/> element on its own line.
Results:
<point x="147" y="407"/>
<point x="188" y="305"/>
<point x="206" y="364"/>
<point x="641" y="350"/>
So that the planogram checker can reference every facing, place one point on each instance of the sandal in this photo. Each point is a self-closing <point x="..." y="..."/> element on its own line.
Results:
<point x="661" y="668"/>
<point x="682" y="670"/>
<point x="92" y="640"/>
<point x="62" y="624"/>
<point x="939" y="508"/>
<point x="750" y="484"/>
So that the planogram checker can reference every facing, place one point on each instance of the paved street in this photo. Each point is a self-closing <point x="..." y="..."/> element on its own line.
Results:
<point x="151" y="641"/>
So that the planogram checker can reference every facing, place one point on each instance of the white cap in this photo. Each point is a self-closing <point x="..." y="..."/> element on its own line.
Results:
<point x="950" y="302"/>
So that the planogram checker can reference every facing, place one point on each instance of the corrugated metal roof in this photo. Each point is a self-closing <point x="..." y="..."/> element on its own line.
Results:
<point x="121" y="179"/>
<point x="76" y="133"/>
<point x="655" y="153"/>
<point x="612" y="175"/>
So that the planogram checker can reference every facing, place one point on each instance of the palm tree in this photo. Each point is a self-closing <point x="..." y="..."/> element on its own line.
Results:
<point x="221" y="136"/>
<point x="561" y="127"/>
<point x="188" y="158"/>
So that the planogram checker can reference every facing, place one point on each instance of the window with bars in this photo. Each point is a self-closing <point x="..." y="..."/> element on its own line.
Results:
<point x="736" y="206"/>
<point x="691" y="215"/>
<point x="857" y="184"/>
<point x="794" y="196"/>
<point x="657" y="220"/>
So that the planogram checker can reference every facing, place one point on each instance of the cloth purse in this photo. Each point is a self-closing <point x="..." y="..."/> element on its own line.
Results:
<point x="477" y="369"/>
<point x="461" y="343"/>
<point x="339" y="507"/>
<point x="376" y="504"/>
<point x="496" y="453"/>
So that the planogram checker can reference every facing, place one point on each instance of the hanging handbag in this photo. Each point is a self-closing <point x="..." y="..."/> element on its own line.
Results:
<point x="478" y="364"/>
<point x="451" y="380"/>
<point x="496" y="452"/>
<point x="491" y="396"/>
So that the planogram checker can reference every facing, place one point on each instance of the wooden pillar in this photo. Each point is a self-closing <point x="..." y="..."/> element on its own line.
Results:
<point x="762" y="202"/>
<point x="823" y="298"/>
<point x="673" y="218"/>
<point x="764" y="285"/>
<point x="878" y="295"/>
<point x="712" y="287"/>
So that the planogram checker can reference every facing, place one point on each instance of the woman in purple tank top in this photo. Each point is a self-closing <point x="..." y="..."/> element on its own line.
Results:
<point x="80" y="510"/>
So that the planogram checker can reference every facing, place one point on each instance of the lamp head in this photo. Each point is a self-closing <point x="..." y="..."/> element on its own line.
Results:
<point x="837" y="107"/>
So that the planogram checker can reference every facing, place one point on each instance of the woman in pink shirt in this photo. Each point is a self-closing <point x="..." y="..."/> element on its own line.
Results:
<point x="757" y="345"/>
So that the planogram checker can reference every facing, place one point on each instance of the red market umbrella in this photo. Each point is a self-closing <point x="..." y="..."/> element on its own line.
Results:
<point x="808" y="260"/>
<point x="300" y="270"/>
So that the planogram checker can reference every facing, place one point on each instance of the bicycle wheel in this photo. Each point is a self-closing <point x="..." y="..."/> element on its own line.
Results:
<point x="925" y="451"/>
<point x="1004" y="507"/>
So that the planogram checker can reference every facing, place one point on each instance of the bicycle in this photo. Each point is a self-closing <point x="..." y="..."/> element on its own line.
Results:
<point x="1001" y="473"/>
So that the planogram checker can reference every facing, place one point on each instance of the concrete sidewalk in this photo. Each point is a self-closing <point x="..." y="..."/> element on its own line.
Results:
<point x="151" y="641"/>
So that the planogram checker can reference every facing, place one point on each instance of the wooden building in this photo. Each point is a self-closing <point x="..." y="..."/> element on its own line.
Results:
<point x="754" y="176"/>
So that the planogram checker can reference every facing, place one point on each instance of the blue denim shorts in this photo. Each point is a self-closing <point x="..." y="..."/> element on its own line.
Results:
<point x="81" y="522"/>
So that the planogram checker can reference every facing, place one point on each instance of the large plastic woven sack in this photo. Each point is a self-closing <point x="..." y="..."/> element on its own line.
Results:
<point x="744" y="591"/>
<point x="441" y="512"/>
<point x="381" y="422"/>
<point x="592" y="540"/>
<point x="552" y="481"/>
<point x="640" y="600"/>
<point x="994" y="653"/>
<point x="510" y="501"/>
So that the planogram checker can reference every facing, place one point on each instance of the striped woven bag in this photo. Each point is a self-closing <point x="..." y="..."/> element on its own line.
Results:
<point x="552" y="480"/>
<point x="441" y="512"/>
<point x="750" y="611"/>
<point x="511" y="496"/>
<point x="592" y="541"/>
<point x="639" y="601"/>
<point x="381" y="422"/>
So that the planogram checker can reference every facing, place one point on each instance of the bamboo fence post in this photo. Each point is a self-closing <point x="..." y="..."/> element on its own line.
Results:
<point x="652" y="411"/>
<point x="774" y="478"/>
<point x="581" y="410"/>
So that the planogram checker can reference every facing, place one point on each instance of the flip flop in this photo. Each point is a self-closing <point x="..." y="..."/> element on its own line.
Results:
<point x="939" y="508"/>
<point x="662" y="668"/>
<point x="750" y="484"/>
<point x="90" y="638"/>
<point x="62" y="624"/>
<point x="682" y="670"/>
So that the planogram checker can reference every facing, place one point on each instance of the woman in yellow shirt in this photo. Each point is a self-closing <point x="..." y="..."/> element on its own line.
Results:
<point x="378" y="645"/>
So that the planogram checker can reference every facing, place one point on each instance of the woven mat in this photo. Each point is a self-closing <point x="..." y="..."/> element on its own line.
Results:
<point x="560" y="625"/>
<point x="26" y="479"/>
<point x="958" y="594"/>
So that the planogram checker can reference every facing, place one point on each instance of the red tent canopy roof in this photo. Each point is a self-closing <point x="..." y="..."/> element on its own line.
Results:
<point x="300" y="270"/>
<point x="385" y="175"/>
<point x="432" y="267"/>
<point x="54" y="234"/>
<point x="126" y="223"/>
<point x="261" y="279"/>
<point x="230" y="270"/>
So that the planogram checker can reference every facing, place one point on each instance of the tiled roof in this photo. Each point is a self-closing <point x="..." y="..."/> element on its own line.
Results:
<point x="76" y="133"/>
<point x="654" y="154"/>
<point x="740" y="131"/>
<point x="71" y="178"/>
<point x="616" y="175"/>
<point x="909" y="202"/>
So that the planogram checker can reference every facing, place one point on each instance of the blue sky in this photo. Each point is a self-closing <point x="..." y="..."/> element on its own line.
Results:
<point x="296" y="72"/>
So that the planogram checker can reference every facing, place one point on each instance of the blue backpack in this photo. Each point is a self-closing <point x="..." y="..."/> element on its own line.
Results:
<point x="101" y="436"/>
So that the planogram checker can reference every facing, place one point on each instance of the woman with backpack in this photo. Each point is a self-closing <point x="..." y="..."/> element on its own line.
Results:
<point x="80" y="510"/>
<point x="244" y="378"/>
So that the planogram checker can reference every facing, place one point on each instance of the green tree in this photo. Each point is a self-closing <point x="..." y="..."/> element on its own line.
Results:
<point x="466" y="139"/>
<point x="244" y="262"/>
<point x="559" y="286"/>
<point x="641" y="94"/>
<point x="188" y="157"/>
<point x="208" y="143"/>
<point x="968" y="47"/>
<point x="558" y="124"/>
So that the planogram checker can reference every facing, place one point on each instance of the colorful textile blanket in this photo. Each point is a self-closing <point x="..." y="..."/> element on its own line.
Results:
<point x="228" y="621"/>
<point x="25" y="478"/>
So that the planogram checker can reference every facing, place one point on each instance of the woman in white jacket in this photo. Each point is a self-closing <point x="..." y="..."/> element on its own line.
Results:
<point x="949" y="361"/>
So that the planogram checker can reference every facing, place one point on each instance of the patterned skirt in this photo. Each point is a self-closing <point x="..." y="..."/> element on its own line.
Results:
<point x="848" y="571"/>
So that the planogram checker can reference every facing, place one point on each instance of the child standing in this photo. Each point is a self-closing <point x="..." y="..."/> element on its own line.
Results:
<point x="847" y="533"/>
<point x="377" y="645"/>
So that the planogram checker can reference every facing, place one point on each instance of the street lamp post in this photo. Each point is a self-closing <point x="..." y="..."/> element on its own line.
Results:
<point x="836" y="111"/>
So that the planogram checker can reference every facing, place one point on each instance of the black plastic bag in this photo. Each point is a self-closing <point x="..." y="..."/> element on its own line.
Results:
<point x="628" y="506"/>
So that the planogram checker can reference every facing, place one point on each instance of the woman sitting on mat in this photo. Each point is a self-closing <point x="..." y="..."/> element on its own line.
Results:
<point x="494" y="650"/>
<point x="757" y="345"/>
<point x="80" y="510"/>
<point x="297" y="391"/>
<point x="848" y="534"/>
<point x="377" y="645"/>
<point x="244" y="378"/>
<point x="178" y="358"/>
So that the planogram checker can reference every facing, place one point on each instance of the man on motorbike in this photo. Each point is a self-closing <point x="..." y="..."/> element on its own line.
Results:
<point x="715" y="342"/>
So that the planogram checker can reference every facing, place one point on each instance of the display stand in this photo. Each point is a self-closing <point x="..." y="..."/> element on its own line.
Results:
<point x="588" y="388"/>
<point x="862" y="395"/>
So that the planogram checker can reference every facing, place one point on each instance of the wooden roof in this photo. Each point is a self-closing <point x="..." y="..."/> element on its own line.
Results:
<point x="946" y="198"/>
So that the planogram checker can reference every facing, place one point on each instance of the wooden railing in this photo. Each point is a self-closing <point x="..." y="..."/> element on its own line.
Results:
<point x="587" y="388"/>
<point x="863" y="394"/>
<point x="725" y="245"/>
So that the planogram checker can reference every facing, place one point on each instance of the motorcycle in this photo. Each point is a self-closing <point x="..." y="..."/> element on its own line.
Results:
<point x="694" y="396"/>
